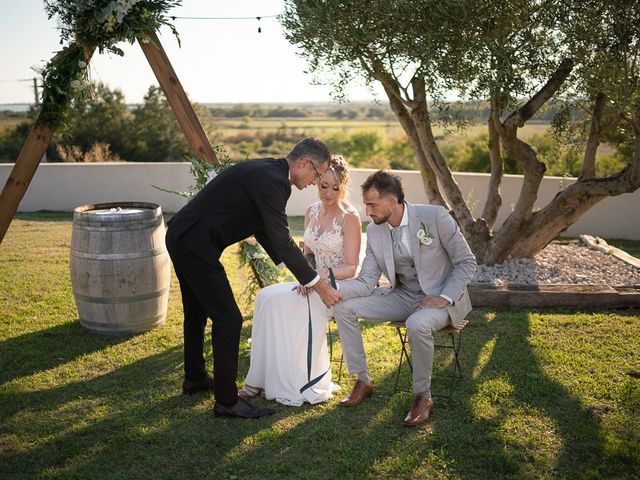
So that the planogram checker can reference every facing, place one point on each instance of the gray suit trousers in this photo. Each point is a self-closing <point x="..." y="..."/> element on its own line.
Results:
<point x="397" y="304"/>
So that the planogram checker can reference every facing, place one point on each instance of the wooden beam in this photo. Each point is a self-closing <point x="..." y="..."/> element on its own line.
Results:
<point x="554" y="296"/>
<point x="177" y="99"/>
<point x="23" y="170"/>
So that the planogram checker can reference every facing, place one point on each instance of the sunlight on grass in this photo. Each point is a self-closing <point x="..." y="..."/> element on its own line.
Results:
<point x="530" y="435"/>
<point x="544" y="394"/>
<point x="492" y="397"/>
<point x="483" y="358"/>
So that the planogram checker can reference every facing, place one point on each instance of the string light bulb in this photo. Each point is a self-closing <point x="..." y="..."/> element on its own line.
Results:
<point x="259" y="27"/>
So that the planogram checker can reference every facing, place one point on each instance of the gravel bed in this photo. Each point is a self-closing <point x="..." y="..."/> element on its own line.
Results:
<point x="564" y="263"/>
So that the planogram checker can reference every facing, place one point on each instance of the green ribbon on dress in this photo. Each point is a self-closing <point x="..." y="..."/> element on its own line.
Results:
<point x="311" y="382"/>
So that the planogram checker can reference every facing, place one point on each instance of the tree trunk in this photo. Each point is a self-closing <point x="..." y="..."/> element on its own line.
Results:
<point x="428" y="178"/>
<point x="511" y="231"/>
<point x="525" y="232"/>
<point x="420" y="116"/>
<point x="494" y="200"/>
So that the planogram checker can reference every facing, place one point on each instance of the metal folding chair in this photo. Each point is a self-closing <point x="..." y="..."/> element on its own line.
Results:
<point x="454" y="334"/>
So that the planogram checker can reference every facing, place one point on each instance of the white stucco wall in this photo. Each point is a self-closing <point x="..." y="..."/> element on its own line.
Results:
<point x="62" y="187"/>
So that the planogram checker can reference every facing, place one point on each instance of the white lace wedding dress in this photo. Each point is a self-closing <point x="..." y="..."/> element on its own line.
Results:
<point x="280" y="332"/>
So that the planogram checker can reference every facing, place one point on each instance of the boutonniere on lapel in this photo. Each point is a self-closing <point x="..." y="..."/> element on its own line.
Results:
<point x="424" y="236"/>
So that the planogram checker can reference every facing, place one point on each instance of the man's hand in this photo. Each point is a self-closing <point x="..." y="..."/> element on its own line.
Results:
<point x="431" y="301"/>
<point x="329" y="295"/>
<point x="302" y="290"/>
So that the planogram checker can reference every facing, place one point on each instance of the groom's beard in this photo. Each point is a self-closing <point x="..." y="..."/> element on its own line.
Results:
<point x="381" y="220"/>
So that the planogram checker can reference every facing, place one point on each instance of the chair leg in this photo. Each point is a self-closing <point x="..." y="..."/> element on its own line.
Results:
<point x="456" y="353"/>
<point x="330" y="343"/>
<point x="331" y="353"/>
<point x="403" y="354"/>
<point x="454" y="345"/>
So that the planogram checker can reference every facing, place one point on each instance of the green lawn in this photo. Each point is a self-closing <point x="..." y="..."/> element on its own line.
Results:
<point x="632" y="247"/>
<point x="545" y="395"/>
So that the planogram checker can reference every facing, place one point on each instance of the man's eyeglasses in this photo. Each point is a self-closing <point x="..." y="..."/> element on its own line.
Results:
<point x="318" y="176"/>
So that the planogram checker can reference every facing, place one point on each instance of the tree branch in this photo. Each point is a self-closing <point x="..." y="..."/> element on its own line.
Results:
<point x="388" y="80"/>
<point x="510" y="231"/>
<point x="568" y="205"/>
<point x="494" y="200"/>
<point x="634" y="124"/>
<point x="428" y="177"/>
<point x="589" y="160"/>
<point x="519" y="117"/>
<point x="452" y="193"/>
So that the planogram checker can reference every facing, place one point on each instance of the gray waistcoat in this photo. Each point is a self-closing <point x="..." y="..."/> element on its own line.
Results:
<point x="406" y="275"/>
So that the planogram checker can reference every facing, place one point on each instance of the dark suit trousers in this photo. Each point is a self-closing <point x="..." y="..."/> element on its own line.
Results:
<point x="206" y="293"/>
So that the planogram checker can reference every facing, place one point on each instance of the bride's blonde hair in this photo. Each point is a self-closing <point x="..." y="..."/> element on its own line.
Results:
<point x="340" y="169"/>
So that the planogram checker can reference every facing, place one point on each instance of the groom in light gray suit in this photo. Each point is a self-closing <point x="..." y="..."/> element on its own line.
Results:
<point x="421" y="251"/>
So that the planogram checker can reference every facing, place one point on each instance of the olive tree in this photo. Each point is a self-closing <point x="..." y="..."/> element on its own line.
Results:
<point x="515" y="56"/>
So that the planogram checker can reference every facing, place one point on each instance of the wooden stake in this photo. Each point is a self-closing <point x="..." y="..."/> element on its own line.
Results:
<point x="177" y="99"/>
<point x="23" y="170"/>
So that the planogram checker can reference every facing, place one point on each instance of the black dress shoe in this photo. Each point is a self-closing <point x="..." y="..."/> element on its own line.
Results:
<point x="190" y="387"/>
<point x="241" y="409"/>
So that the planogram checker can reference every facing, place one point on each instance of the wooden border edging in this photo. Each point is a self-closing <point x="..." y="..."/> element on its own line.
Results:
<point x="551" y="296"/>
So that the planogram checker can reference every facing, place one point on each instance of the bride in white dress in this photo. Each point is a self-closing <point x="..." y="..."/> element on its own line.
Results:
<point x="283" y="367"/>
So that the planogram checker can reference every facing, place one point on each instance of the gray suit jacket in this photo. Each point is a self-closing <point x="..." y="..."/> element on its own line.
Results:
<point x="444" y="267"/>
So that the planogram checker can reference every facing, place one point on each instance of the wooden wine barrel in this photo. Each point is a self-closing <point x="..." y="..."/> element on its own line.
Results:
<point x="120" y="269"/>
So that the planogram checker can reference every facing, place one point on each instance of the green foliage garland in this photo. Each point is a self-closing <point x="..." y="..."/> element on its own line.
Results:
<point x="103" y="23"/>
<point x="87" y="25"/>
<point x="62" y="78"/>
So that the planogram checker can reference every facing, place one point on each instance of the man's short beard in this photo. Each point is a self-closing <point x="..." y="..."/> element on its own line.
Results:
<point x="380" y="221"/>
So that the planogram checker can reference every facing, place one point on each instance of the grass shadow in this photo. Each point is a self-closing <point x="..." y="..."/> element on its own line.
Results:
<point x="523" y="423"/>
<point x="508" y="419"/>
<point x="45" y="216"/>
<point x="56" y="346"/>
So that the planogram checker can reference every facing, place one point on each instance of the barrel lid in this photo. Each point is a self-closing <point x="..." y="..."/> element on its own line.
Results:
<point x="121" y="211"/>
<point x="118" y="210"/>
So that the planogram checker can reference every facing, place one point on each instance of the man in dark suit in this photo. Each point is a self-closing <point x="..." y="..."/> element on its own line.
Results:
<point x="246" y="199"/>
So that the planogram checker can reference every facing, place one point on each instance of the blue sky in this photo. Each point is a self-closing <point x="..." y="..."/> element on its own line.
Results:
<point x="220" y="60"/>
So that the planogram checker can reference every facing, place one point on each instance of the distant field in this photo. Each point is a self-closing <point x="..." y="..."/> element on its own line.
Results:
<point x="321" y="126"/>
<point x="8" y="123"/>
<point x="229" y="127"/>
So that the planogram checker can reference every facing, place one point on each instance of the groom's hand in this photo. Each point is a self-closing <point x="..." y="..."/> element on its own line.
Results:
<point x="329" y="295"/>
<point x="431" y="301"/>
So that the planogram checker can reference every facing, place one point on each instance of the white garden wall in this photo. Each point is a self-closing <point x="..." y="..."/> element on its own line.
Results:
<point x="64" y="186"/>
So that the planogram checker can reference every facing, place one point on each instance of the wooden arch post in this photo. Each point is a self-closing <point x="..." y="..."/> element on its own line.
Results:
<point x="40" y="135"/>
<point x="180" y="104"/>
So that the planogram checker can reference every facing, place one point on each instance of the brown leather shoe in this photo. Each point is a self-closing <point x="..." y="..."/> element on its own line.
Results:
<point x="420" y="412"/>
<point x="358" y="394"/>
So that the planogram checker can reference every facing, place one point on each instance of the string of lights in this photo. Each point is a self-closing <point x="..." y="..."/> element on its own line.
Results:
<point x="258" y="18"/>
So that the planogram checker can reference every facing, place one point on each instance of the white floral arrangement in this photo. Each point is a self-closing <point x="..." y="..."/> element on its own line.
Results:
<point x="424" y="236"/>
<point x="93" y="25"/>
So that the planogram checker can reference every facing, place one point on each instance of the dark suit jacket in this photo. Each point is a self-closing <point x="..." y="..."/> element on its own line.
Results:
<point x="246" y="199"/>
